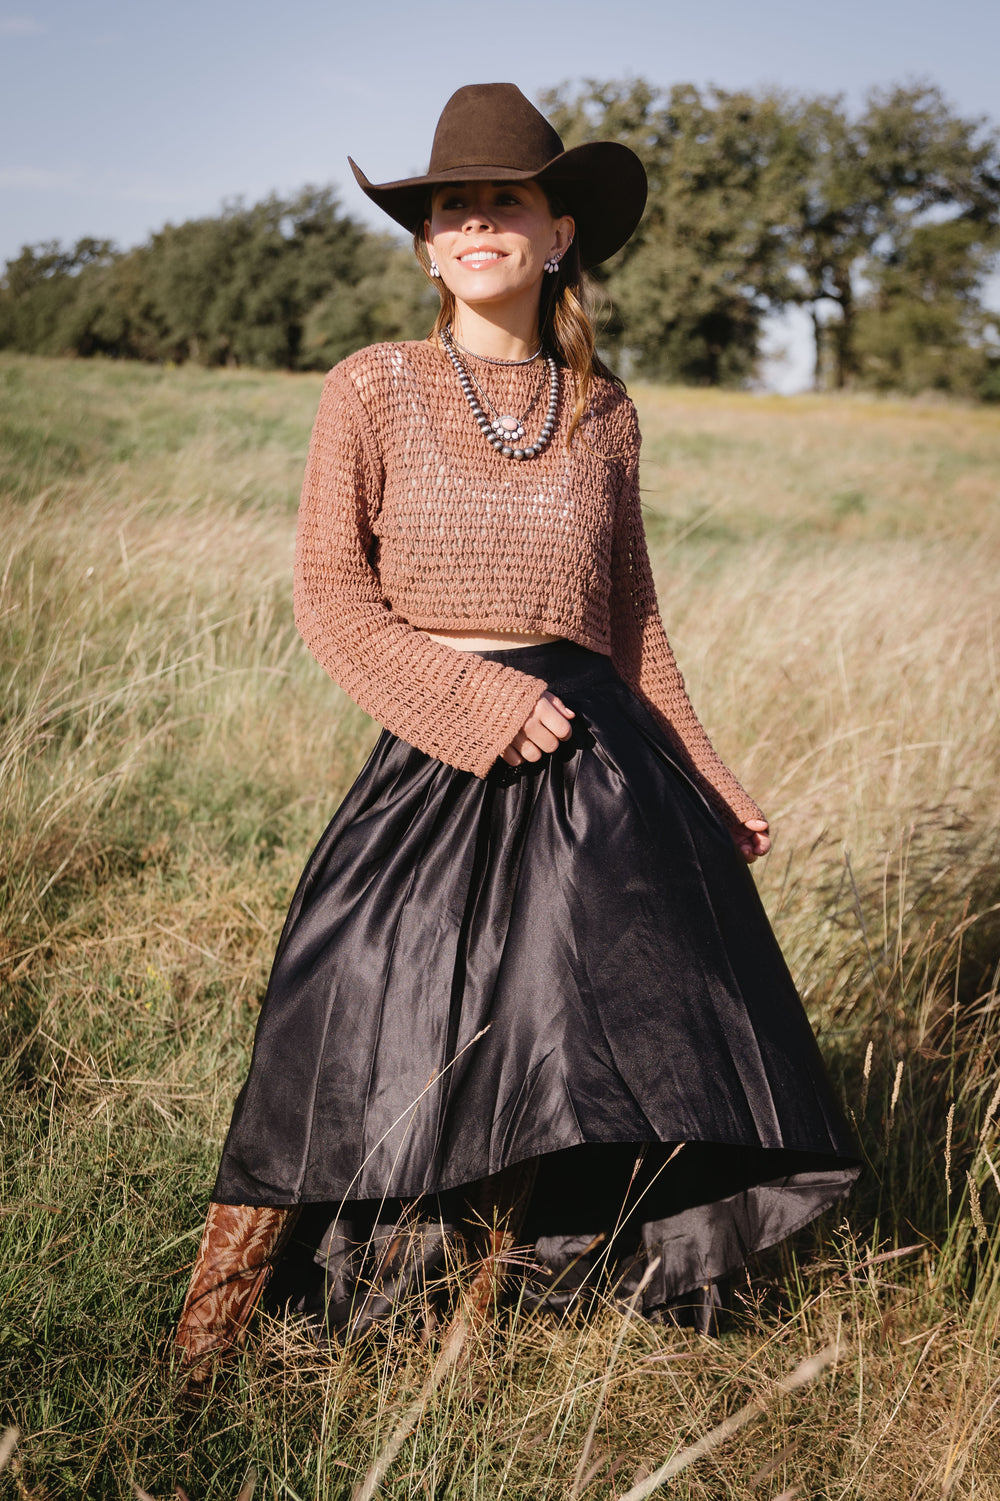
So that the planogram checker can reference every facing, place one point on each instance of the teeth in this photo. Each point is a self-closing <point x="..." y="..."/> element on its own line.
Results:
<point x="480" y="255"/>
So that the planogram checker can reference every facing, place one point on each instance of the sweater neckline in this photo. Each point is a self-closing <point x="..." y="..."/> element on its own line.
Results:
<point x="490" y="362"/>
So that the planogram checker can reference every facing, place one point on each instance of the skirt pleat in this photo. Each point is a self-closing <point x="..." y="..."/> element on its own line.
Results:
<point x="565" y="956"/>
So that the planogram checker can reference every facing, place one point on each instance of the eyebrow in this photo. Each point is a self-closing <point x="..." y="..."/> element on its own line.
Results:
<point x="451" y="187"/>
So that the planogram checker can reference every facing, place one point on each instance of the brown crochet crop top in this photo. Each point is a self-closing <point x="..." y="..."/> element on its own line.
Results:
<point x="411" y="523"/>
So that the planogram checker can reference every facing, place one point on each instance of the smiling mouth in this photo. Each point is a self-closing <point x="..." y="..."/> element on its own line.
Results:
<point x="481" y="257"/>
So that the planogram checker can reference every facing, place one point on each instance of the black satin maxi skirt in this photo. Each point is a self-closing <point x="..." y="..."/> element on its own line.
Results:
<point x="567" y="961"/>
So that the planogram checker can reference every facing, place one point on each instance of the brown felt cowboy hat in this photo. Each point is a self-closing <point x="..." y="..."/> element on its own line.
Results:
<point x="489" y="132"/>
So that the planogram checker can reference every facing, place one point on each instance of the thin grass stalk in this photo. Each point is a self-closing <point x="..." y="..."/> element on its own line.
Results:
<point x="633" y="1303"/>
<point x="802" y="1375"/>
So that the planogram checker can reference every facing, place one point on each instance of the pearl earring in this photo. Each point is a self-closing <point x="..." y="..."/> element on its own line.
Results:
<point x="434" y="268"/>
<point x="552" y="265"/>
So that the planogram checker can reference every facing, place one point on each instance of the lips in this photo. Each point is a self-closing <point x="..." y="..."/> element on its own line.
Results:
<point x="481" y="257"/>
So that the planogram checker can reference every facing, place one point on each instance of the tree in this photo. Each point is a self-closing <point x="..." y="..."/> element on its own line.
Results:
<point x="885" y="226"/>
<point x="291" y="283"/>
<point x="38" y="288"/>
<point x="237" y="289"/>
<point x="873" y="191"/>
<point x="762" y="200"/>
<point x="711" y="256"/>
<point x="922" y="327"/>
<point x="392" y="300"/>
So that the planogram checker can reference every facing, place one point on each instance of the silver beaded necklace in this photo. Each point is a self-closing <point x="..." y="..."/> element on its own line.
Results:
<point x="505" y="431"/>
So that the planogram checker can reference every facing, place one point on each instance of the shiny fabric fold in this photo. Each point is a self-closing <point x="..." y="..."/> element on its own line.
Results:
<point x="570" y="954"/>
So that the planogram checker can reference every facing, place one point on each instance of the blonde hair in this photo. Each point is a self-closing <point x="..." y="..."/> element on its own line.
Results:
<point x="565" y="317"/>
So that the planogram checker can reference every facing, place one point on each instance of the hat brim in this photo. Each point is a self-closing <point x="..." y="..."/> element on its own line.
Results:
<point x="601" y="184"/>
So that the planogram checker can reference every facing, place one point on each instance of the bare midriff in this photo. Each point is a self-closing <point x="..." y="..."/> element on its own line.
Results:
<point x="490" y="641"/>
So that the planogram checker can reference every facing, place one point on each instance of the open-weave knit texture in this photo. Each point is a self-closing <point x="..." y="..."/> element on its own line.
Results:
<point x="410" y="522"/>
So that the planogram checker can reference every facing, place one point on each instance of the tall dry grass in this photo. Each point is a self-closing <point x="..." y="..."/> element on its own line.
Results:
<point x="168" y="753"/>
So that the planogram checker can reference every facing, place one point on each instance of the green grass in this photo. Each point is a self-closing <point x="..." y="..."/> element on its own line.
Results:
<point x="169" y="753"/>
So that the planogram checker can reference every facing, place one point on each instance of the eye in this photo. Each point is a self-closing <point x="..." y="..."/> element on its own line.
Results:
<point x="451" y="201"/>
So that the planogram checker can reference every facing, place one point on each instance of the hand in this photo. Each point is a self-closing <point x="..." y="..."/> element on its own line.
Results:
<point x="752" y="839"/>
<point x="546" y="725"/>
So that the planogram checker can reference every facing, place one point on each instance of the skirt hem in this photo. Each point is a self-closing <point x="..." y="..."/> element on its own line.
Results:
<point x="334" y="1195"/>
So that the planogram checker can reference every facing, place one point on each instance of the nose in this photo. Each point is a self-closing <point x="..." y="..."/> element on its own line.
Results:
<point x="477" y="216"/>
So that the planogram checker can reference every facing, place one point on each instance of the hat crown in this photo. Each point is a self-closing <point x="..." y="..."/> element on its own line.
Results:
<point x="492" y="125"/>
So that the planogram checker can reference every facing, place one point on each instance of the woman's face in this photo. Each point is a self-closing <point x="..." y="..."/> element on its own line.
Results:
<point x="491" y="239"/>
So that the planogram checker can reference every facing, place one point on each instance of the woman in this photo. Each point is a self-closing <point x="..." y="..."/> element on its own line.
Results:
<point x="526" y="983"/>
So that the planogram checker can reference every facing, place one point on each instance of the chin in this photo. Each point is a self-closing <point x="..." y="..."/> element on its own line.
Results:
<point x="495" y="290"/>
<point x="489" y="294"/>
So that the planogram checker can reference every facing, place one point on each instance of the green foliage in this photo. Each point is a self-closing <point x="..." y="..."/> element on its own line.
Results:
<point x="292" y="284"/>
<point x="390" y="300"/>
<point x="921" y="327"/>
<point x="885" y="223"/>
<point x="40" y="288"/>
<point x="690" y="289"/>
<point x="900" y="212"/>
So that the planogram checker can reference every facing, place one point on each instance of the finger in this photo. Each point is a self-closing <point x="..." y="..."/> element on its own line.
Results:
<point x="511" y="756"/>
<point x="538" y="735"/>
<point x="759" y="825"/>
<point x="554" y="698"/>
<point x="552" y="718"/>
<point x="527" y="747"/>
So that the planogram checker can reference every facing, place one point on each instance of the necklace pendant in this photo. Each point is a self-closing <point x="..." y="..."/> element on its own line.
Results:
<point x="508" y="427"/>
<point x="504" y="432"/>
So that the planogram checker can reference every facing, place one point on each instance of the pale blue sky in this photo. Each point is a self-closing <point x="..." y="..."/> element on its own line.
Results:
<point x="117" y="115"/>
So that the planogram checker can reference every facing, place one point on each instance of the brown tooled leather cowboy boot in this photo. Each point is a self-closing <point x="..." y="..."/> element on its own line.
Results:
<point x="498" y="1206"/>
<point x="239" y="1247"/>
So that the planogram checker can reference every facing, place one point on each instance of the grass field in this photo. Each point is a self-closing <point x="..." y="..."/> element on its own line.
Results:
<point x="168" y="754"/>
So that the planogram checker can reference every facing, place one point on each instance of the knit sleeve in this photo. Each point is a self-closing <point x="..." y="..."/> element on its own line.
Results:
<point x="451" y="704"/>
<point x="642" y="655"/>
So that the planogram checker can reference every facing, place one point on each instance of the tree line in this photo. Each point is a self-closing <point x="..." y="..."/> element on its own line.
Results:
<point x="291" y="284"/>
<point x="884" y="223"/>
